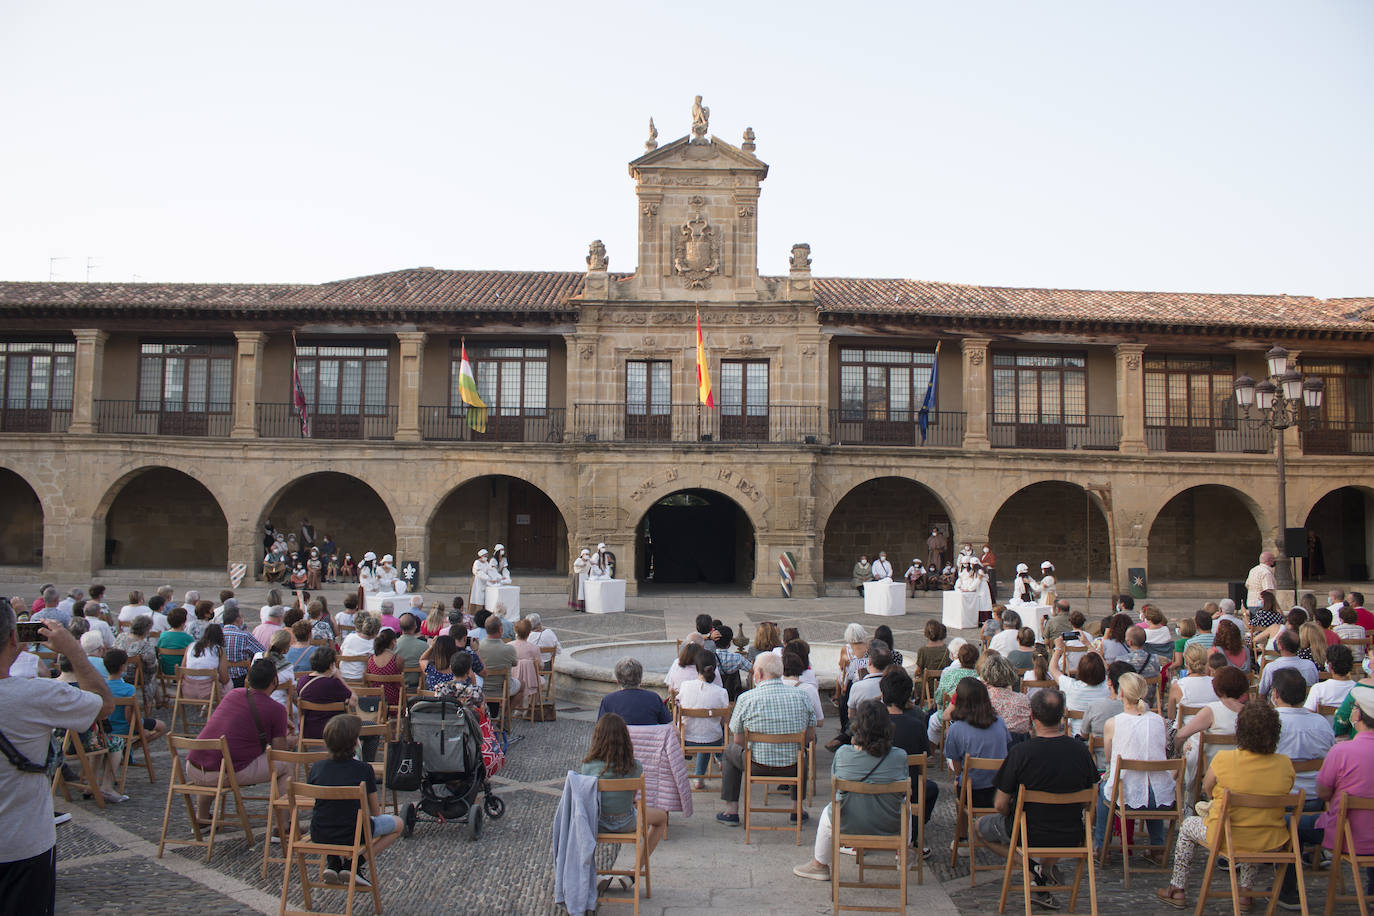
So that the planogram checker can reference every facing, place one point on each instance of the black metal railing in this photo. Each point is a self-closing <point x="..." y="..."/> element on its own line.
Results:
<point x="152" y="418"/>
<point x="1082" y="432"/>
<point x="1201" y="434"/>
<point x="943" y="429"/>
<point x="283" y="421"/>
<point x="456" y="424"/>
<point x="695" y="423"/>
<point x="26" y="416"/>
<point x="1338" y="437"/>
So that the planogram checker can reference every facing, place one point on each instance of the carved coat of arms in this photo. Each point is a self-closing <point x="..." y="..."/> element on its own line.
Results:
<point x="696" y="253"/>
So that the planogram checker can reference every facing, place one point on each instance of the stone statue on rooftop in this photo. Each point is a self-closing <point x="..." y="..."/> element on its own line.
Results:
<point x="801" y="256"/>
<point x="652" y="143"/>
<point x="596" y="256"/>
<point x="749" y="138"/>
<point x="701" y="116"/>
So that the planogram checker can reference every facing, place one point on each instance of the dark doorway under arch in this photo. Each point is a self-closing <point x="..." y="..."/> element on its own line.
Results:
<point x="337" y="504"/>
<point x="21" y="524"/>
<point x="1205" y="532"/>
<point x="496" y="509"/>
<point x="695" y="536"/>
<point x="165" y="519"/>
<point x="1338" y="534"/>
<point x="1053" y="520"/>
<point x="887" y="513"/>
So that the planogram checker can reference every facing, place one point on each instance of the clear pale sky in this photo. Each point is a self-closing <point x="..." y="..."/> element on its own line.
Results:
<point x="1217" y="147"/>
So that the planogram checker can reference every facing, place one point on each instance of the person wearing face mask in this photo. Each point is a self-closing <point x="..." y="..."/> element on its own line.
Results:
<point x="577" y="581"/>
<point x="881" y="571"/>
<point x="989" y="561"/>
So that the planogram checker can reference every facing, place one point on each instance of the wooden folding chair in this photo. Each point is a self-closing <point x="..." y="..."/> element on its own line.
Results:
<point x="1328" y="713"/>
<point x="91" y="761"/>
<point x="1070" y="717"/>
<point x="861" y="843"/>
<point x="496" y="688"/>
<point x="546" y="687"/>
<point x="1185" y="714"/>
<point x="304" y="706"/>
<point x="1344" y="853"/>
<point x="226" y="786"/>
<point x="183" y="704"/>
<point x="639" y="839"/>
<point x="1205" y="741"/>
<point x="1290" y="853"/>
<point x="302" y="846"/>
<point x="383" y="732"/>
<point x="135" y="735"/>
<point x="1156" y="684"/>
<point x="1020" y="847"/>
<point x="1028" y="686"/>
<point x="971" y="814"/>
<point x="353" y="659"/>
<point x="279" y="805"/>
<point x="680" y="716"/>
<point x="168" y="683"/>
<point x="371" y="704"/>
<point x="797" y="779"/>
<point x="393" y="710"/>
<point x="1117" y="812"/>
<point x="919" y="762"/>
<point x="929" y="682"/>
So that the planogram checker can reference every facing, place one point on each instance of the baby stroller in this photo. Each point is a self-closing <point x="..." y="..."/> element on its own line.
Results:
<point x="452" y="774"/>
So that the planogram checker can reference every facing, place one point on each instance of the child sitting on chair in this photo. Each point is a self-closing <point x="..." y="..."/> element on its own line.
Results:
<point x="333" y="822"/>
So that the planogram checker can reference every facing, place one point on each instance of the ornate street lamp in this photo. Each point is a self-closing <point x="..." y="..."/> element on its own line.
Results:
<point x="1276" y="400"/>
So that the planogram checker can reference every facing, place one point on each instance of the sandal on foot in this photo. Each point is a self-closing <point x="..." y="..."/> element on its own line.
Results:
<point x="1173" y="897"/>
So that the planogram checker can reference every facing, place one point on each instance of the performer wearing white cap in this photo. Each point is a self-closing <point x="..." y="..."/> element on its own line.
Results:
<point x="577" y="584"/>
<point x="1048" y="595"/>
<point x="477" y="596"/>
<point x="606" y="560"/>
<point x="500" y="565"/>
<point x="367" y="574"/>
<point x="915" y="576"/>
<point x="1025" y="590"/>
<point x="388" y="582"/>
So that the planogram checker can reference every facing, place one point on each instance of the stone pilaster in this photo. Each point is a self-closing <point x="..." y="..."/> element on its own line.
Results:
<point x="408" y="387"/>
<point x="976" y="403"/>
<point x="247" y="383"/>
<point x="90" y="358"/>
<point x="1130" y="396"/>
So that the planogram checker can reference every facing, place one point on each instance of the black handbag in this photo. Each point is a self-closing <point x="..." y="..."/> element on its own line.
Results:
<point x="404" y="763"/>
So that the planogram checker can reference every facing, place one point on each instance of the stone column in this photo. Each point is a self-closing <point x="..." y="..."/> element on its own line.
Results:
<point x="90" y="359"/>
<point x="1130" y="396"/>
<point x="247" y="383"/>
<point x="976" y="403"/>
<point x="410" y="547"/>
<point x="411" y="365"/>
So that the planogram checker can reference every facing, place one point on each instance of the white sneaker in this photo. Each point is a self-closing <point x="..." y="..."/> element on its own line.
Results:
<point x="60" y="817"/>
<point x="847" y="851"/>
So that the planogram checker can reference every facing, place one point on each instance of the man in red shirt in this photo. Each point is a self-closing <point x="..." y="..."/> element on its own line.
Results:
<point x="250" y="721"/>
<point x="1362" y="617"/>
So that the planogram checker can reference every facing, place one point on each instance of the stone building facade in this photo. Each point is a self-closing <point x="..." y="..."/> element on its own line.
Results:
<point x="152" y="425"/>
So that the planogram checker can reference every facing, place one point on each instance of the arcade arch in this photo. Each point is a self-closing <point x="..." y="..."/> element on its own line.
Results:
<point x="493" y="509"/>
<point x="695" y="536"/>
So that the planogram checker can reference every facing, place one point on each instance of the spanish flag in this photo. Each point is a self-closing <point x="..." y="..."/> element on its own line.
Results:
<point x="467" y="390"/>
<point x="703" y="371"/>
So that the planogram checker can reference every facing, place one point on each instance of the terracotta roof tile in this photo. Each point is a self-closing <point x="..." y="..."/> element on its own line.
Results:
<point x="424" y="288"/>
<point x="150" y="294"/>
<point x="844" y="295"/>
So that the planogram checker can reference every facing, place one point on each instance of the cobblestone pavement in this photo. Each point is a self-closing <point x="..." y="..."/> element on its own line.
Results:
<point x="108" y="864"/>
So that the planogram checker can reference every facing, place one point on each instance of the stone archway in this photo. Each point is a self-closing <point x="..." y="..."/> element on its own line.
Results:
<point x="1204" y="532"/>
<point x="161" y="518"/>
<point x="21" y="524"/>
<point x="1052" y="520"/>
<point x="694" y="536"/>
<point x="336" y="504"/>
<point x="894" y="514"/>
<point x="493" y="509"/>
<point x="1340" y="537"/>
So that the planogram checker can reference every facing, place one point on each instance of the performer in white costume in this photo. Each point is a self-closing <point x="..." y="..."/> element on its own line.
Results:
<point x="606" y="560"/>
<point x="500" y="564"/>
<point x="367" y="574"/>
<point x="1025" y="590"/>
<point x="882" y="569"/>
<point x="577" y="584"/>
<point x="388" y="581"/>
<point x="1048" y="595"/>
<point x="477" y="595"/>
<point x="971" y="577"/>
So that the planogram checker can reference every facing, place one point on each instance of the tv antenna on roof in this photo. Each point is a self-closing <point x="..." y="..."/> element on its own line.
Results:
<point x="91" y="264"/>
<point x="52" y="267"/>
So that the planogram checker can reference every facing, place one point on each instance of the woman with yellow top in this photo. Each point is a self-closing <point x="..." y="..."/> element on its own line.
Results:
<point x="1255" y="769"/>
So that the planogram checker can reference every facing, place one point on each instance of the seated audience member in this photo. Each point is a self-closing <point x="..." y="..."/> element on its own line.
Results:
<point x="1326" y="620"/>
<point x="1082" y="690"/>
<point x="456" y="622"/>
<point x="388" y="619"/>
<point x="1194" y="687"/>
<point x="1142" y="661"/>
<point x="299" y="651"/>
<point x="239" y="644"/>
<point x="359" y="642"/>
<point x="543" y="637"/>
<point x="206" y="655"/>
<point x="1159" y="639"/>
<point x="1049" y="761"/>
<point x="882" y="631"/>
<point x="410" y="646"/>
<point x="350" y="609"/>
<point x="90" y="612"/>
<point x="701" y="632"/>
<point x="249" y="721"/>
<point x="321" y="627"/>
<point x="1215" y="718"/>
<point x="1077" y="642"/>
<point x="1007" y="638"/>
<point x="437" y="661"/>
<point x="973" y="729"/>
<point x="1312" y="644"/>
<point x="115" y="660"/>
<point x="335" y="822"/>
<point x="434" y="622"/>
<point x="771" y="708"/>
<point x="703" y="692"/>
<point x="95" y="651"/>
<point x="1340" y="661"/>
<point x="965" y="665"/>
<point x="1100" y="712"/>
<point x="796" y="665"/>
<point x="683" y="668"/>
<point x="867" y="686"/>
<point x="1186" y="631"/>
<point x="141" y="647"/>
<point x="909" y="733"/>
<point x="496" y="653"/>
<point x="1349" y="628"/>
<point x="174" y="638"/>
<point x="612" y="756"/>
<point x="1012" y="706"/>
<point x="1060" y="622"/>
<point x="1252" y="767"/>
<point x="202" y="615"/>
<point x="464" y="686"/>
<point x="1228" y="642"/>
<point x="1203" y="621"/>
<point x="634" y="704"/>
<point x="1288" y="644"/>
<point x="767" y="637"/>
<point x="528" y="663"/>
<point x="322" y="685"/>
<point x="1023" y="656"/>
<point x="385" y="662"/>
<point x="1303" y="735"/>
<point x="275" y="653"/>
<point x="934" y="655"/>
<point x="869" y="757"/>
<point x="1113" y="643"/>
<point x="1135" y="733"/>
<point x="272" y="621"/>
<point x="136" y="607"/>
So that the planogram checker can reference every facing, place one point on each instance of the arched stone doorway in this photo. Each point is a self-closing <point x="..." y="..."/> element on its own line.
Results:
<point x="498" y="509"/>
<point x="1339" y="537"/>
<point x="336" y="504"/>
<point x="695" y="537"/>
<point x="21" y="524"/>
<point x="1052" y="520"/>
<point x="887" y="513"/>
<point x="1205" y="532"/>
<point x="165" y="519"/>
